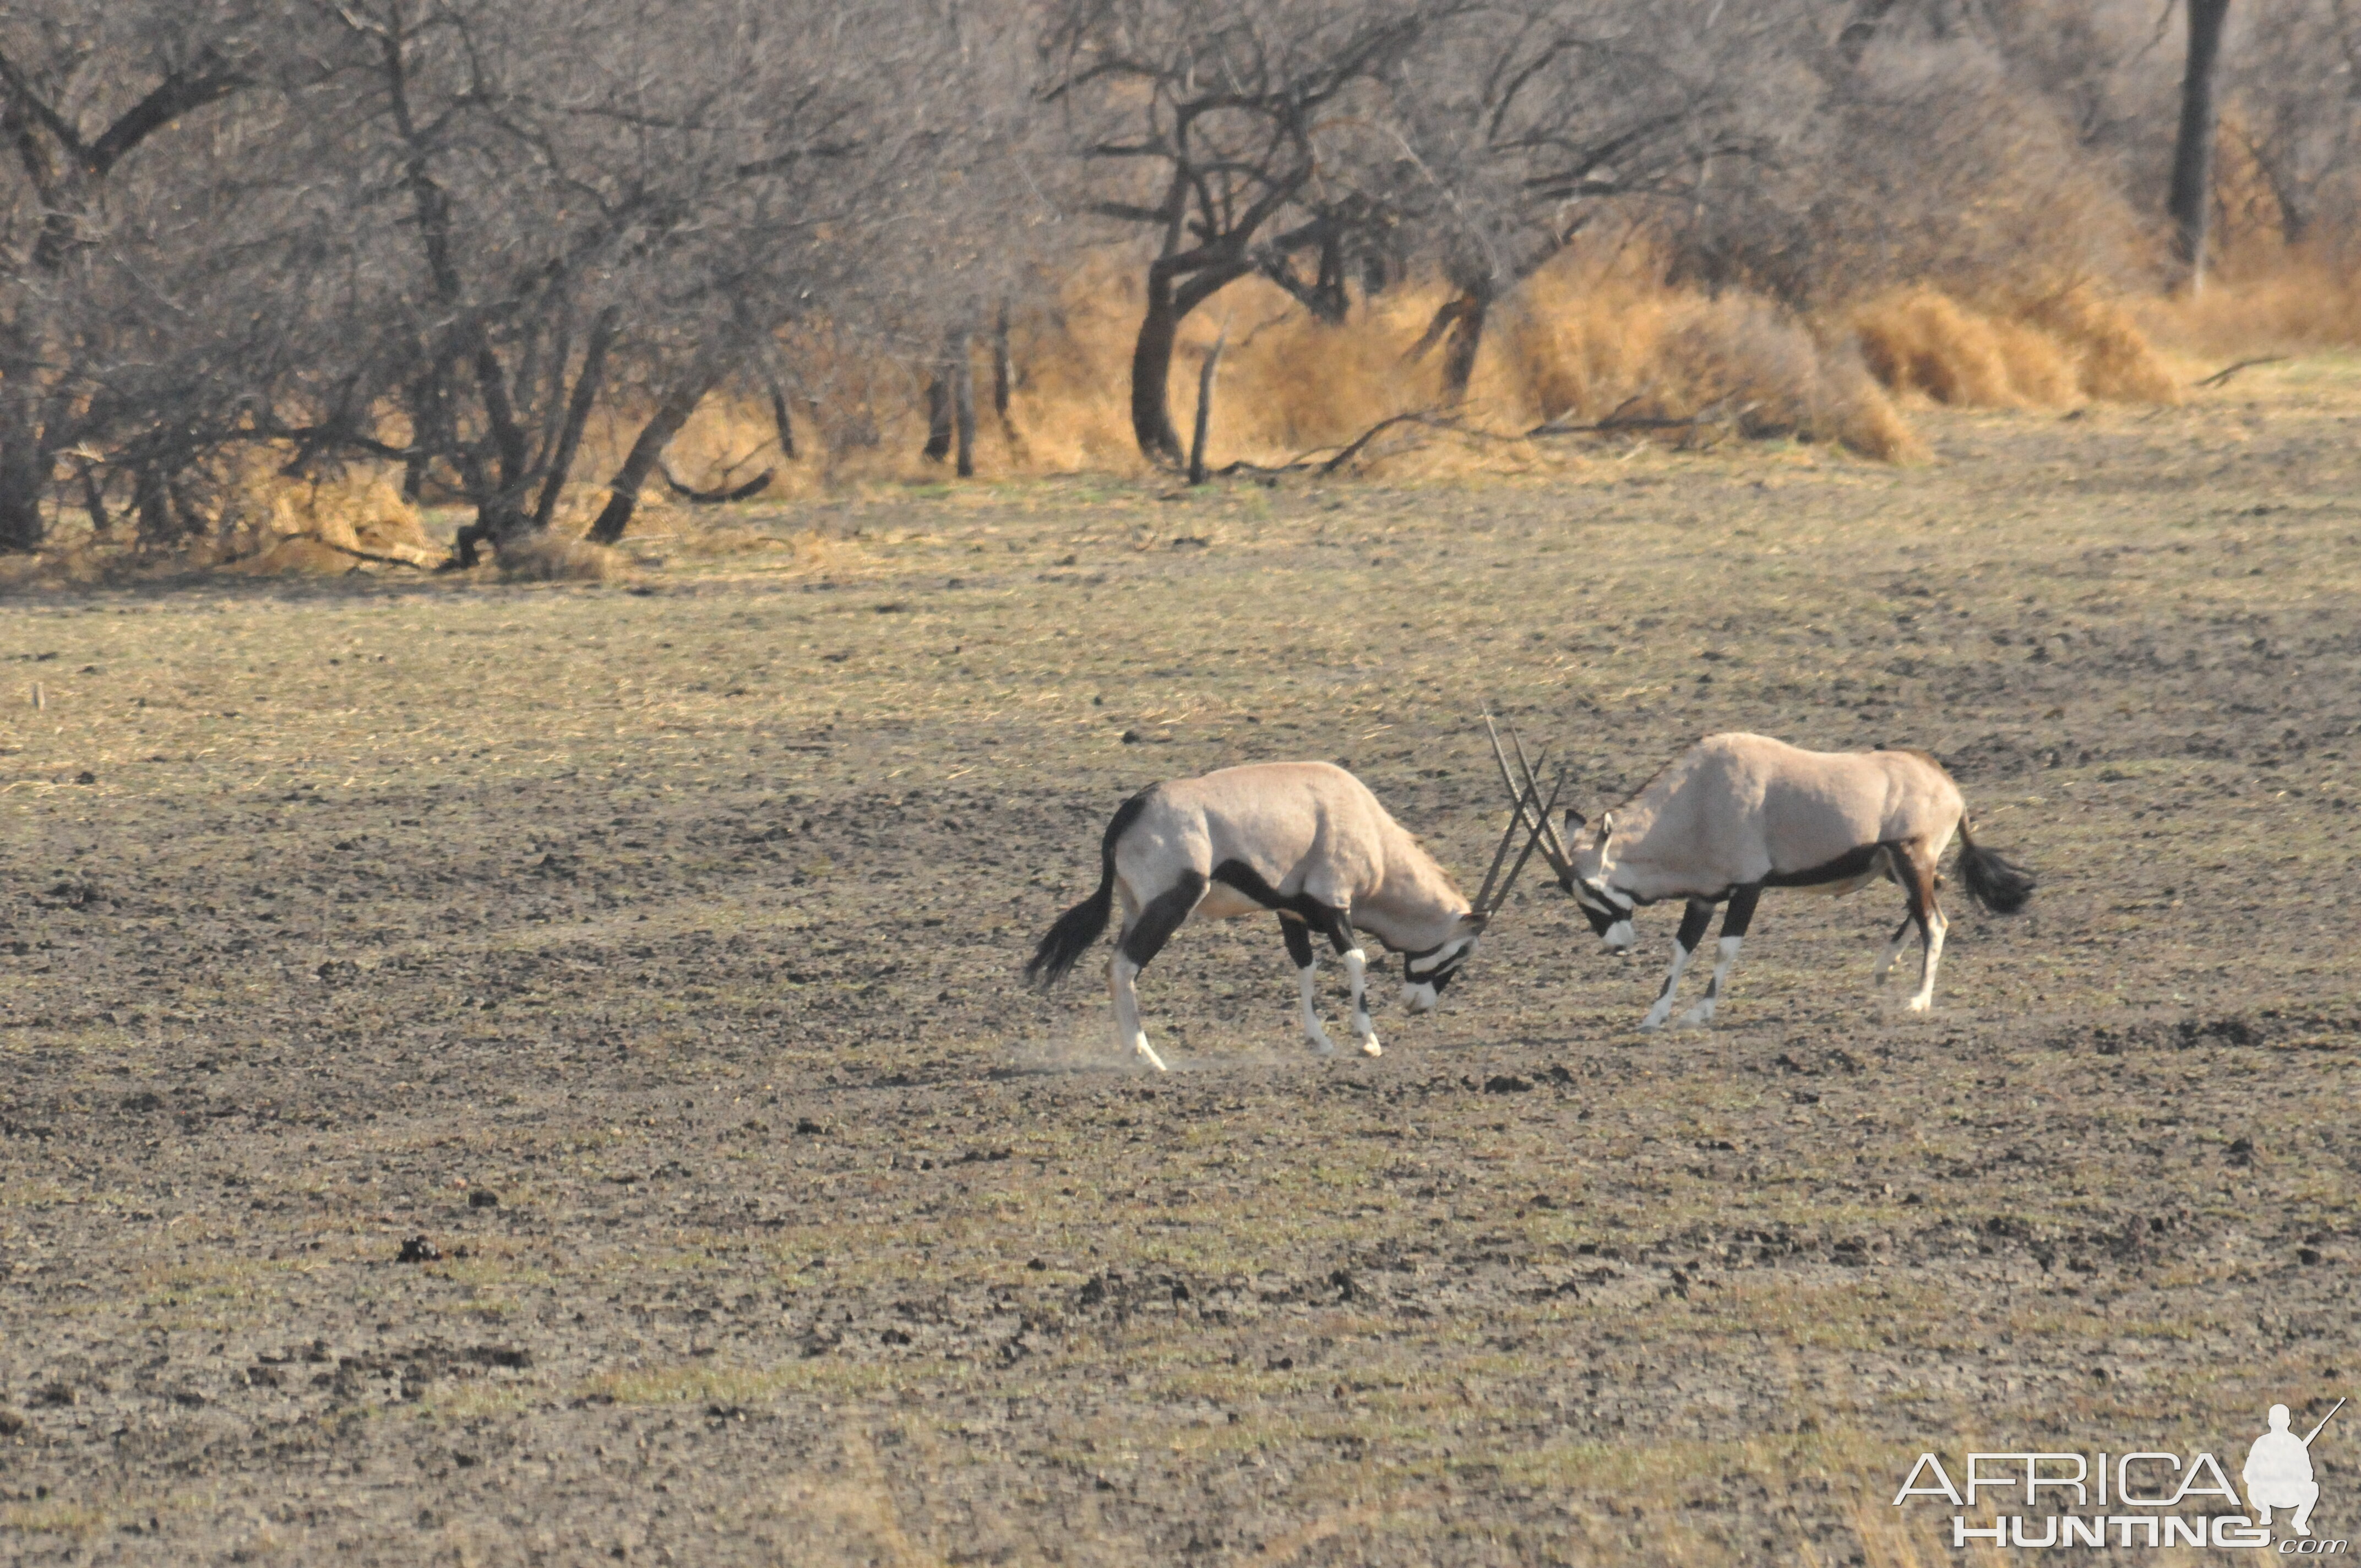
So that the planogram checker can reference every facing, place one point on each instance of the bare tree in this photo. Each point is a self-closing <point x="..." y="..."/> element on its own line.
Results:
<point x="1230" y="121"/>
<point x="1535" y="122"/>
<point x="85" y="92"/>
<point x="2292" y="79"/>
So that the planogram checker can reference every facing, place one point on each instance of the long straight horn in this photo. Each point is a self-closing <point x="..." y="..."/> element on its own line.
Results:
<point x="1532" y="840"/>
<point x="1516" y="820"/>
<point x="1522" y="794"/>
<point x="1561" y="858"/>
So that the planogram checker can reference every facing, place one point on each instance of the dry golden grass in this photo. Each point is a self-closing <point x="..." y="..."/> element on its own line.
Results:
<point x="2046" y="353"/>
<point x="2264" y="299"/>
<point x="1599" y="335"/>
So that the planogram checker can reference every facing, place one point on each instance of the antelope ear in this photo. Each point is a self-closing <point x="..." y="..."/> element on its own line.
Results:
<point x="1474" y="920"/>
<point x="1574" y="820"/>
<point x="1606" y="835"/>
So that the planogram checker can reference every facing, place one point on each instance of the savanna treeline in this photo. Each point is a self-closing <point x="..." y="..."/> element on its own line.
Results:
<point x="505" y="251"/>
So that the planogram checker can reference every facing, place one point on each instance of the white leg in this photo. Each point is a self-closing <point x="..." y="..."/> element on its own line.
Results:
<point x="1703" y="1012"/>
<point x="1891" y="952"/>
<point x="1357" y="969"/>
<point x="1928" y="963"/>
<point x="1663" y="1007"/>
<point x="1128" y="1034"/>
<point x="1308" y="978"/>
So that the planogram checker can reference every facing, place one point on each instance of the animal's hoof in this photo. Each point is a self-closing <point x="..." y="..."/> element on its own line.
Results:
<point x="1324" y="1047"/>
<point x="1369" y="1047"/>
<point x="1652" y="1023"/>
<point x="1151" y="1058"/>
<point x="1921" y="1004"/>
<point x="1697" y="1018"/>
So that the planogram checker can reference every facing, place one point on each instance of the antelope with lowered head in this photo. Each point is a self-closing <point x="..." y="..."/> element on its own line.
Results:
<point x="1741" y="813"/>
<point x="1305" y="839"/>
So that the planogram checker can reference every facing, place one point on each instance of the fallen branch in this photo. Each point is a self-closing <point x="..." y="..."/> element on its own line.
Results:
<point x="1422" y="417"/>
<point x="2220" y="377"/>
<point x="1713" y="412"/>
<point x="719" y="496"/>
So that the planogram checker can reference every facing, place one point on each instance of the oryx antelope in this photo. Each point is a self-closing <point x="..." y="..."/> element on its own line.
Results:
<point x="1741" y="813"/>
<point x="1305" y="839"/>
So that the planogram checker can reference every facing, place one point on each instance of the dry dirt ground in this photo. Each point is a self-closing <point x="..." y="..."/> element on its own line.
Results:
<point x="650" y="951"/>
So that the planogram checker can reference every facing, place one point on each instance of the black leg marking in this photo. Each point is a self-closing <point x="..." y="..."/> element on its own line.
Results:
<point x="1734" y="922"/>
<point x="1695" y="918"/>
<point x="1914" y="890"/>
<point x="1299" y="942"/>
<point x="1160" y="917"/>
<point x="1339" y="928"/>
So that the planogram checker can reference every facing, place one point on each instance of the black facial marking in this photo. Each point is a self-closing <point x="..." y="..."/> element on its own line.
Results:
<point x="1161" y="917"/>
<point x="1438" y="977"/>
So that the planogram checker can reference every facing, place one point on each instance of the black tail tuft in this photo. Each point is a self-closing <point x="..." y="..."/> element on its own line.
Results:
<point x="1082" y="925"/>
<point x="1994" y="880"/>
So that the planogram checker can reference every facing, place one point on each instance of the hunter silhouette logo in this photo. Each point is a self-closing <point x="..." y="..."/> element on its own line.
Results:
<point x="2279" y="1470"/>
<point x="2147" y="1499"/>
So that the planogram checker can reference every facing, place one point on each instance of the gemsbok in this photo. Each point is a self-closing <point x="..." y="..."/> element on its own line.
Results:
<point x="1305" y="839"/>
<point x="1740" y="812"/>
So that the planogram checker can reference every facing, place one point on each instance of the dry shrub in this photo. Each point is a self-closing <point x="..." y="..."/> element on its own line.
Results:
<point x="1769" y="378"/>
<point x="1586" y="345"/>
<point x="549" y="556"/>
<point x="1070" y="406"/>
<point x="358" y="513"/>
<point x="1289" y="383"/>
<point x="2265" y="298"/>
<point x="2112" y="358"/>
<point x="1584" y="337"/>
<point x="2043" y="353"/>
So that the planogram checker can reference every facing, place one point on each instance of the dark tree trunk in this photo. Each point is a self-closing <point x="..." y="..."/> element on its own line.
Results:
<point x="154" y="507"/>
<point x="1467" y="337"/>
<point x="781" y="419"/>
<point x="430" y="429"/>
<point x="624" y="490"/>
<point x="962" y="370"/>
<point x="2192" y="200"/>
<point x="499" y="419"/>
<point x="1004" y="368"/>
<point x="93" y="500"/>
<point x="1151" y="369"/>
<point x="1330" y="302"/>
<point x="577" y="416"/>
<point x="938" y="415"/>
<point x="23" y="475"/>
